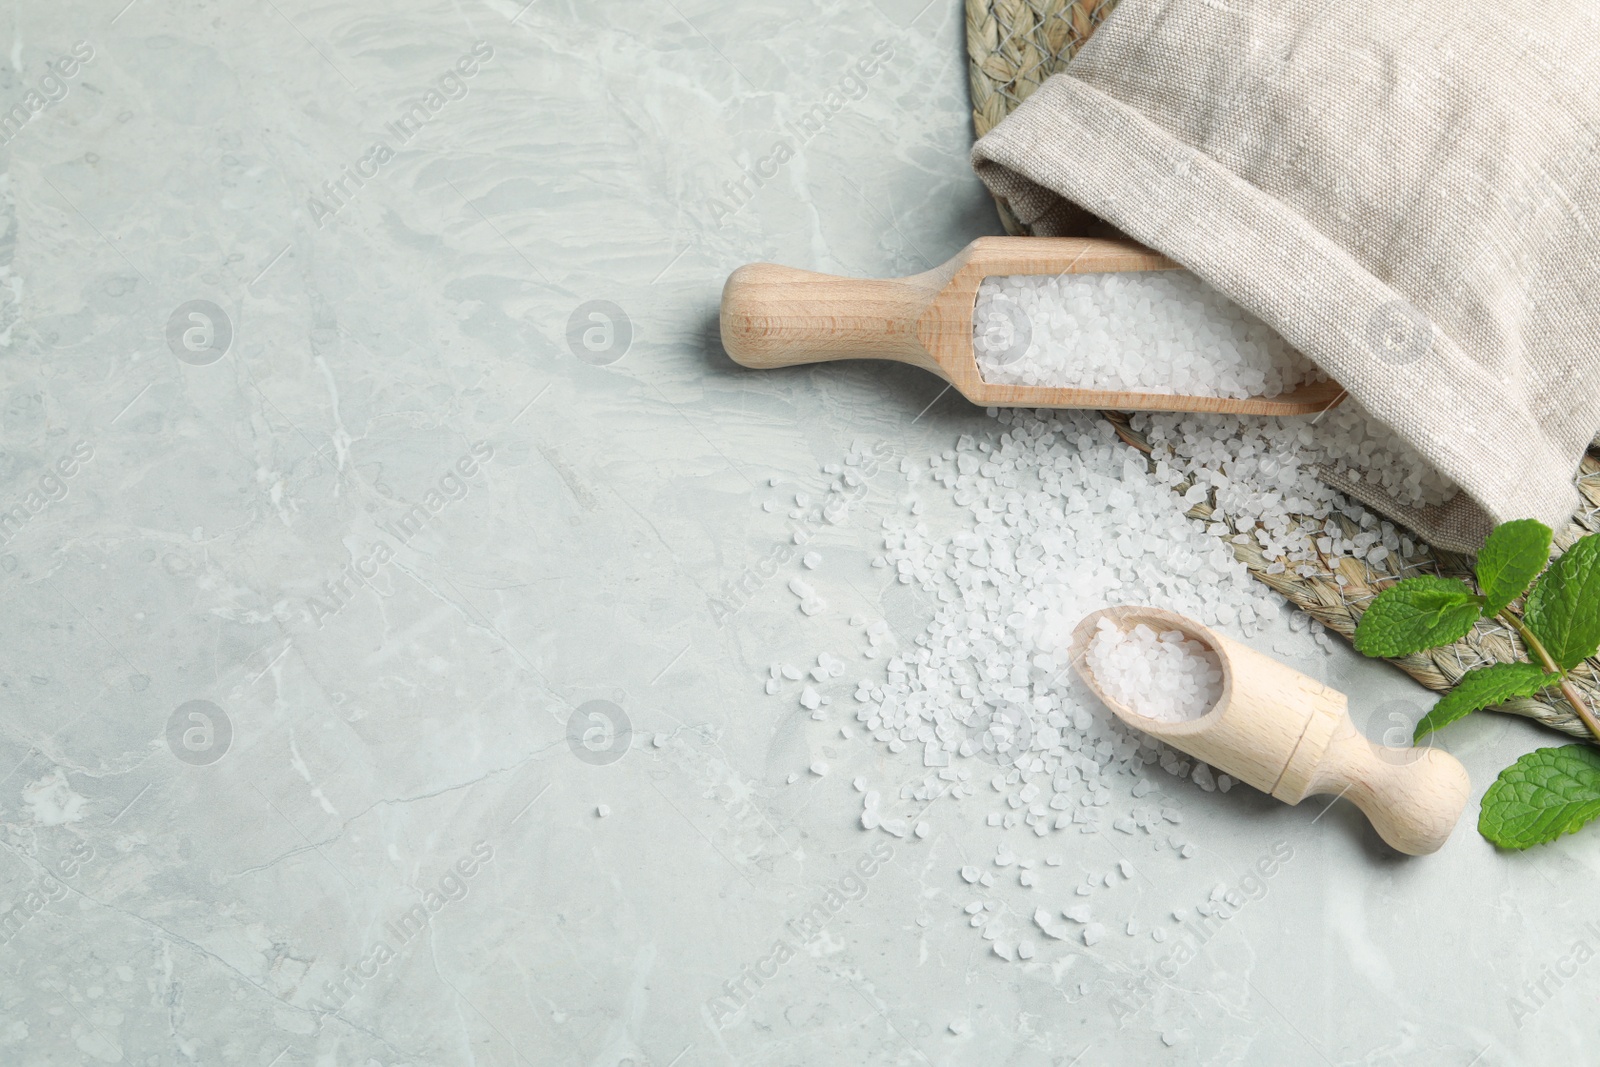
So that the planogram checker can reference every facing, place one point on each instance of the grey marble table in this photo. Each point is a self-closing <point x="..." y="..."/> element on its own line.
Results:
<point x="367" y="456"/>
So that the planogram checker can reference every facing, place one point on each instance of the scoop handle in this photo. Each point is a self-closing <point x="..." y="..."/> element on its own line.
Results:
<point x="1412" y="796"/>
<point x="775" y="316"/>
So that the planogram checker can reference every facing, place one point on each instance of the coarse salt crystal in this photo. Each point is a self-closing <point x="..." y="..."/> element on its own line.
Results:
<point x="1166" y="677"/>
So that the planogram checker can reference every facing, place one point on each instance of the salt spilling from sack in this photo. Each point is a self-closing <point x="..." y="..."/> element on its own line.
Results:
<point x="1062" y="518"/>
<point x="1162" y="676"/>
<point x="1169" y="332"/>
<point x="1144" y="331"/>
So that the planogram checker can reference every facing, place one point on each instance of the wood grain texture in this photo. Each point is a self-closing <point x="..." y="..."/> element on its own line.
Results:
<point x="1291" y="736"/>
<point x="775" y="316"/>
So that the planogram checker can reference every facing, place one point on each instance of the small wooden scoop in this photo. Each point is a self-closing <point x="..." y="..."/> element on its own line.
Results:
<point x="1291" y="736"/>
<point x="776" y="316"/>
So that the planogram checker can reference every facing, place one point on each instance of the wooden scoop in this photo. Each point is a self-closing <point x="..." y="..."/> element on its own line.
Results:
<point x="1291" y="736"/>
<point x="776" y="316"/>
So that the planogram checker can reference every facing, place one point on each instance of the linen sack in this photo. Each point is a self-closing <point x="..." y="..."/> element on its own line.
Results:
<point x="1406" y="191"/>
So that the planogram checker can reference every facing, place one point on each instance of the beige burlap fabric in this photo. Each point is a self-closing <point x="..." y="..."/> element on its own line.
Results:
<point x="1407" y="191"/>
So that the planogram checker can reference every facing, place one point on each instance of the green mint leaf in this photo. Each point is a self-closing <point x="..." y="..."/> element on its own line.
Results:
<point x="1563" y="611"/>
<point x="1417" y="614"/>
<point x="1547" y="793"/>
<point x="1512" y="557"/>
<point x="1484" y="688"/>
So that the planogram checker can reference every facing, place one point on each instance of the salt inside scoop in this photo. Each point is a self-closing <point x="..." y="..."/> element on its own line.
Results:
<point x="1162" y="676"/>
<point x="1146" y="331"/>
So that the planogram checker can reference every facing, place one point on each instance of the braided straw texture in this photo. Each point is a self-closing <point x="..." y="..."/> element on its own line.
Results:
<point x="1013" y="47"/>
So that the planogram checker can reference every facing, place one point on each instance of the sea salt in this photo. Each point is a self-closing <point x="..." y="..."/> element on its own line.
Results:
<point x="1060" y="518"/>
<point x="1265" y="469"/>
<point x="1161" y="676"/>
<point x="1145" y="331"/>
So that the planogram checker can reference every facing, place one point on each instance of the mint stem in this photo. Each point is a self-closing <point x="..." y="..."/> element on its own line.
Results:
<point x="1568" y="690"/>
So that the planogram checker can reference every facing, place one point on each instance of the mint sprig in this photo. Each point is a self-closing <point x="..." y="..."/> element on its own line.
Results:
<point x="1511" y="559"/>
<point x="1553" y="791"/>
<point x="1417" y="614"/>
<point x="1564" y="610"/>
<point x="1547" y="793"/>
<point x="1484" y="688"/>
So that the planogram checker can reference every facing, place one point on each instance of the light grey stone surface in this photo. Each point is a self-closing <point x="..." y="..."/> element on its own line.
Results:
<point x="192" y="890"/>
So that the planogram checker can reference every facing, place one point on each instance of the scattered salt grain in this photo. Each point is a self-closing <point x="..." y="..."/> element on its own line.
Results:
<point x="1062" y="519"/>
<point x="819" y="768"/>
<point x="810" y="603"/>
<point x="869" y="811"/>
<point x="602" y="810"/>
<point x="812" y="560"/>
<point x="1093" y="933"/>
